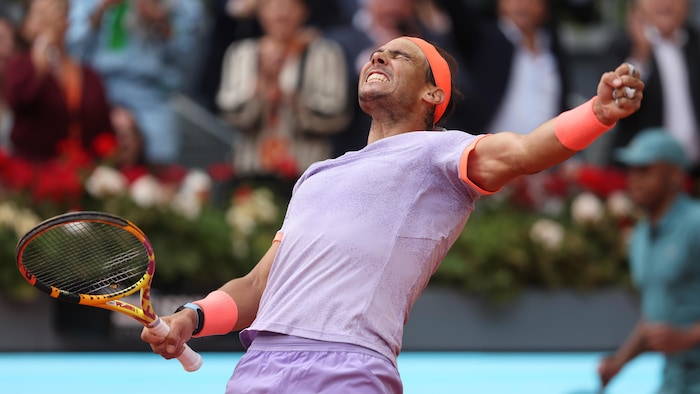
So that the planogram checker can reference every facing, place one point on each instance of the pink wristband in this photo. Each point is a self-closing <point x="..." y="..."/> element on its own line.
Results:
<point x="577" y="128"/>
<point x="220" y="313"/>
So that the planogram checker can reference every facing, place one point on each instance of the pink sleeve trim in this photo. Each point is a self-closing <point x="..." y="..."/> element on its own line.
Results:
<point x="463" y="161"/>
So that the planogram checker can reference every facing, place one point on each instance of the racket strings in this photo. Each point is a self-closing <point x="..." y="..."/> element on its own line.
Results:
<point x="87" y="258"/>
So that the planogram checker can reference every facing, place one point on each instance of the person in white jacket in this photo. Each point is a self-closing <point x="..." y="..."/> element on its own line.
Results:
<point x="285" y="92"/>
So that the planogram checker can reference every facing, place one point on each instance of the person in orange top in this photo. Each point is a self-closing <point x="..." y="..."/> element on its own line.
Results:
<point x="53" y="98"/>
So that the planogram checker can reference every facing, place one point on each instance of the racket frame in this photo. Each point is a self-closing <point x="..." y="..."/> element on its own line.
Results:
<point x="145" y="315"/>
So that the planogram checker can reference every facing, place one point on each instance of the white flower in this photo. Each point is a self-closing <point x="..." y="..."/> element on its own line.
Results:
<point x="587" y="208"/>
<point x="25" y="221"/>
<point x="193" y="192"/>
<point x="146" y="191"/>
<point x="240" y="220"/>
<point x="106" y="181"/>
<point x="8" y="213"/>
<point x="263" y="205"/>
<point x="198" y="183"/>
<point x="21" y="220"/>
<point x="620" y="205"/>
<point x="547" y="233"/>
<point x="187" y="205"/>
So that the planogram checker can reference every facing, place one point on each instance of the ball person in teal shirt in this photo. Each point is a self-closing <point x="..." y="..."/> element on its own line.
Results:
<point x="664" y="256"/>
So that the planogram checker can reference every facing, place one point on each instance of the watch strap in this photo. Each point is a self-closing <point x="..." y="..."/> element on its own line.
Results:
<point x="198" y="311"/>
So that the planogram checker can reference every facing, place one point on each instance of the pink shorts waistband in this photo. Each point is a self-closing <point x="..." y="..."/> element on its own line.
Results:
<point x="275" y="342"/>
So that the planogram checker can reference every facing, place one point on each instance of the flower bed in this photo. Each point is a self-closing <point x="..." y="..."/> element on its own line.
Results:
<point x="197" y="243"/>
<point x="559" y="229"/>
<point x="551" y="230"/>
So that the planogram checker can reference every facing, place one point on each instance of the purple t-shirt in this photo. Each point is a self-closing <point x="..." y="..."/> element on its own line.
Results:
<point x="362" y="235"/>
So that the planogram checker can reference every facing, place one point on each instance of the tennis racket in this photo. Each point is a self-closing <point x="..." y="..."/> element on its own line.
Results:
<point x="95" y="259"/>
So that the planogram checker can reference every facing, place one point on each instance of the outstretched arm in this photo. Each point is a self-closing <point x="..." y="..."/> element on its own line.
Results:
<point x="501" y="157"/>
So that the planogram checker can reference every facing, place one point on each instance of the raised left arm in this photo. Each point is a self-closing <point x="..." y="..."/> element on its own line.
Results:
<point x="501" y="157"/>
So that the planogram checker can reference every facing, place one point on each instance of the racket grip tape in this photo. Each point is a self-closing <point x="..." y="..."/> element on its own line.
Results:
<point x="190" y="360"/>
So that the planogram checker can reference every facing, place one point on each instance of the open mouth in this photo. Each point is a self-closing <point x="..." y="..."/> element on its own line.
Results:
<point x="377" y="77"/>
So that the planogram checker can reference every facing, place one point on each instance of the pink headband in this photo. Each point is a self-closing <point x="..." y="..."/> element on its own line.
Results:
<point x="441" y="73"/>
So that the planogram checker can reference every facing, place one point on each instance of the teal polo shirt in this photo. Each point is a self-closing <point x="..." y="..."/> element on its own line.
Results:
<point x="665" y="267"/>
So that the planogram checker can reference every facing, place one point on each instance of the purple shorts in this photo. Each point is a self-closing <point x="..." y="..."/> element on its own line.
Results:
<point x="282" y="364"/>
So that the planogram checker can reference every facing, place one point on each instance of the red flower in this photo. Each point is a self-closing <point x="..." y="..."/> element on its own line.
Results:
<point x="220" y="172"/>
<point x="17" y="174"/>
<point x="4" y="157"/>
<point x="132" y="173"/>
<point x="556" y="185"/>
<point x="287" y="168"/>
<point x="601" y="180"/>
<point x="74" y="154"/>
<point x="58" y="182"/>
<point x="242" y="195"/>
<point x="172" y="174"/>
<point x="105" y="145"/>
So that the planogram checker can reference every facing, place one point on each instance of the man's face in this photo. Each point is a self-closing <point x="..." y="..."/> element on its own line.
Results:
<point x="392" y="14"/>
<point x="281" y="19"/>
<point x="527" y="15"/>
<point x="649" y="185"/>
<point x="666" y="15"/>
<point x="45" y="17"/>
<point x="395" y="74"/>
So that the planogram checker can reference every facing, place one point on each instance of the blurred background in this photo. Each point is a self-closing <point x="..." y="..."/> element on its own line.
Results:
<point x="197" y="117"/>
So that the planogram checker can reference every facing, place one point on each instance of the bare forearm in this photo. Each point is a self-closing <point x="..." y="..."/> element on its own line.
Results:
<point x="247" y="291"/>
<point x="541" y="149"/>
<point x="247" y="299"/>
<point x="499" y="158"/>
<point x="633" y="345"/>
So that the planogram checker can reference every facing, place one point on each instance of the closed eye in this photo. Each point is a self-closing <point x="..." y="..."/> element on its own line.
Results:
<point x="394" y="54"/>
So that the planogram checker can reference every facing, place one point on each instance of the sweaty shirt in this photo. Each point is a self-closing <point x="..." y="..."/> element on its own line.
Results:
<point x="362" y="235"/>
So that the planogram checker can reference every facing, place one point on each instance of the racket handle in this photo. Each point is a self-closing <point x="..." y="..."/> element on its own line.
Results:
<point x="189" y="359"/>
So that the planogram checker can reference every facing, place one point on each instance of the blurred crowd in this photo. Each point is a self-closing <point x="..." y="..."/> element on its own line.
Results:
<point x="83" y="78"/>
<point x="282" y="74"/>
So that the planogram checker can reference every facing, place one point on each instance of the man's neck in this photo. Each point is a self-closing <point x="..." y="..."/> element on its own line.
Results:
<point x="379" y="130"/>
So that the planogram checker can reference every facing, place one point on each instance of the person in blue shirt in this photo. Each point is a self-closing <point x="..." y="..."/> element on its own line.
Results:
<point x="663" y="253"/>
<point x="145" y="51"/>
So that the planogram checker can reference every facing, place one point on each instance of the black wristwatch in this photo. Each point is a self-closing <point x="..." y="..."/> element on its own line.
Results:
<point x="200" y="316"/>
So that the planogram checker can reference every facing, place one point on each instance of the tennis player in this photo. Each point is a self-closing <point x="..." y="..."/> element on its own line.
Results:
<point x="324" y="309"/>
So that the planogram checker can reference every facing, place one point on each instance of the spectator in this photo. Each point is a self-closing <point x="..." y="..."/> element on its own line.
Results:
<point x="285" y="92"/>
<point x="131" y="158"/>
<point x="663" y="251"/>
<point x="662" y="43"/>
<point x="8" y="47"/>
<point x="145" y="51"/>
<point x="517" y="68"/>
<point x="54" y="99"/>
<point x="231" y="20"/>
